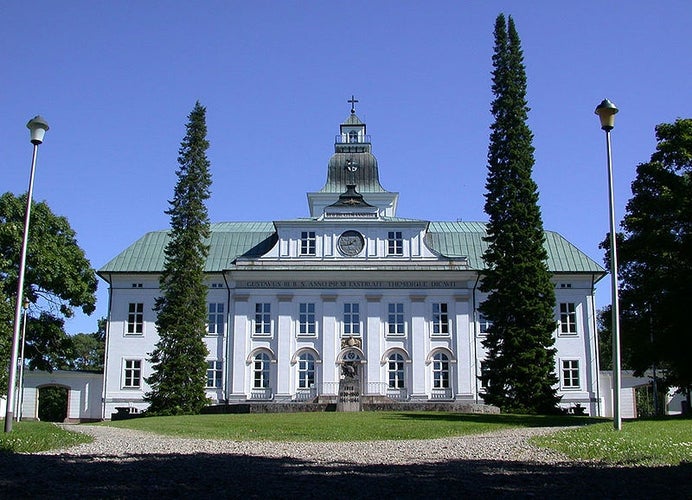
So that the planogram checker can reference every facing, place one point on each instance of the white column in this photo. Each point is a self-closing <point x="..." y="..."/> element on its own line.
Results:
<point x="238" y="338"/>
<point x="331" y="339"/>
<point x="372" y="345"/>
<point x="419" y="349"/>
<point x="283" y="347"/>
<point x="461" y="346"/>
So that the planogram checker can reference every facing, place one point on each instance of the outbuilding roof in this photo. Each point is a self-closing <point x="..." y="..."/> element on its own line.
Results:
<point x="231" y="240"/>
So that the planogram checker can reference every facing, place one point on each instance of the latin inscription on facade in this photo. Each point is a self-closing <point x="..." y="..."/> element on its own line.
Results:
<point x="349" y="284"/>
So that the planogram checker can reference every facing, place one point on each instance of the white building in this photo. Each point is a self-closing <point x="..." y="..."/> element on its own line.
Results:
<point x="292" y="303"/>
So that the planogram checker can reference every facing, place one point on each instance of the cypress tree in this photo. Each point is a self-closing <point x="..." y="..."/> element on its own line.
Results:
<point x="520" y="304"/>
<point x="179" y="359"/>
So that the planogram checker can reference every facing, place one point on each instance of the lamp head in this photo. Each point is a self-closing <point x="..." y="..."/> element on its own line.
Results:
<point x="37" y="126"/>
<point x="606" y="112"/>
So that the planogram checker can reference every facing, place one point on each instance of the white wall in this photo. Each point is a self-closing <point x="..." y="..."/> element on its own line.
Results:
<point x="83" y="399"/>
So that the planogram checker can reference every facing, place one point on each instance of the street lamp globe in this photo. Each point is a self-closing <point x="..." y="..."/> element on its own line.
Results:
<point x="606" y="112"/>
<point x="37" y="127"/>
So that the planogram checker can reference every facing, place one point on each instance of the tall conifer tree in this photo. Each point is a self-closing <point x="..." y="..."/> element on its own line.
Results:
<point x="520" y="359"/>
<point x="179" y="367"/>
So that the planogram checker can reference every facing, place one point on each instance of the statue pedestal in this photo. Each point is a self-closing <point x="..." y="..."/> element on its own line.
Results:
<point x="349" y="394"/>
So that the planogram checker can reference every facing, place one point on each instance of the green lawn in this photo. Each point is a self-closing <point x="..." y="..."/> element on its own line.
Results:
<point x="640" y="442"/>
<point x="361" y="426"/>
<point x="31" y="437"/>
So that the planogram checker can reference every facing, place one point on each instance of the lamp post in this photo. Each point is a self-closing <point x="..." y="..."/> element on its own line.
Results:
<point x="37" y="126"/>
<point x="606" y="112"/>
<point x="20" y="397"/>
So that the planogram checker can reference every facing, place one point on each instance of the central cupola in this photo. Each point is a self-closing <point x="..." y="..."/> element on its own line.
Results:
<point x="351" y="168"/>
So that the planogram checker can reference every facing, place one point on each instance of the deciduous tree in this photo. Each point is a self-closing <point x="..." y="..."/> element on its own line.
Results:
<point x="58" y="279"/>
<point x="520" y="303"/>
<point x="655" y="259"/>
<point x="86" y="351"/>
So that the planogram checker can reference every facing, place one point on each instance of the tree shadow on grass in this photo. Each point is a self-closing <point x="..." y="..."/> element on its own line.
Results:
<point x="502" y="418"/>
<point x="205" y="475"/>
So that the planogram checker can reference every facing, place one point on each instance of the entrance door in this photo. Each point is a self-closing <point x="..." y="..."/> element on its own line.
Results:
<point x="52" y="403"/>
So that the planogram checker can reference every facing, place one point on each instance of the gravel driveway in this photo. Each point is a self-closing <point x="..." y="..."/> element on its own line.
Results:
<point x="127" y="464"/>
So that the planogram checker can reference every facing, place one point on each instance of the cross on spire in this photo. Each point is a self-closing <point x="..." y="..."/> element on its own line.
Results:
<point x="353" y="102"/>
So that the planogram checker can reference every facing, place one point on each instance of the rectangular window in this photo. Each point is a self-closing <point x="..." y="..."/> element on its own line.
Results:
<point x="484" y="324"/>
<point x="395" y="369"/>
<point x="306" y="319"/>
<point x="395" y="243"/>
<point x="440" y="371"/>
<point x="261" y="372"/>
<point x="263" y="319"/>
<point x="440" y="319"/>
<point x="351" y="319"/>
<point x="215" y="319"/>
<point x="395" y="319"/>
<point x="485" y="375"/>
<point x="306" y="371"/>
<point x="568" y="318"/>
<point x="132" y="373"/>
<point x="570" y="374"/>
<point x="307" y="243"/>
<point x="135" y="318"/>
<point x="214" y="374"/>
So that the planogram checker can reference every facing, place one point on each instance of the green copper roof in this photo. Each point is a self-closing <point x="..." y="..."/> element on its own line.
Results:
<point x="366" y="177"/>
<point x="352" y="119"/>
<point x="230" y="240"/>
<point x="465" y="239"/>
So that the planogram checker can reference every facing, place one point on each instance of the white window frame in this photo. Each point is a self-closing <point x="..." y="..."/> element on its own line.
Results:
<point x="396" y="324"/>
<point x="396" y="371"/>
<point x="395" y="243"/>
<point x="483" y="324"/>
<point x="442" y="374"/>
<point x="570" y="371"/>
<point x="216" y="318"/>
<point x="306" y="370"/>
<point x="568" y="319"/>
<point x="132" y="373"/>
<point x="308" y="243"/>
<point x="261" y="371"/>
<point x="135" y="319"/>
<point x="307" y="320"/>
<point x="214" y="374"/>
<point x="351" y="319"/>
<point x="484" y="376"/>
<point x="440" y="319"/>
<point x="263" y="321"/>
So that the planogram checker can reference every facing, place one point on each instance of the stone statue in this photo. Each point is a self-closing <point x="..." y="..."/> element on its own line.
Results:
<point x="348" y="369"/>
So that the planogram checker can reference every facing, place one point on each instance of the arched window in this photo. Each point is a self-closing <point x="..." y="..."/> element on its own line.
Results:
<point x="440" y="371"/>
<point x="353" y="136"/>
<point x="306" y="370"/>
<point x="395" y="370"/>
<point x="260" y="371"/>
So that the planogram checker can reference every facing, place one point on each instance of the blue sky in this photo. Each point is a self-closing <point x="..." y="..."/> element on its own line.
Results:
<point x="116" y="80"/>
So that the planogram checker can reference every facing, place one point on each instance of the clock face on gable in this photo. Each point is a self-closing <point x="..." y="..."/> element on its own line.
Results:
<point x="351" y="243"/>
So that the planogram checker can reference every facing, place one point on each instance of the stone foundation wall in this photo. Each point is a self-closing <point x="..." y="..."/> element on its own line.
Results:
<point x="268" y="407"/>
